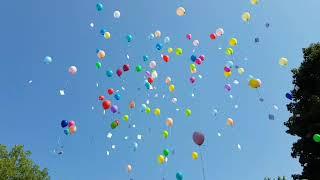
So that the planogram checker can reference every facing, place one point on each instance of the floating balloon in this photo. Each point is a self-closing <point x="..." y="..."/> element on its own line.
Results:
<point x="181" y="11"/>
<point x="195" y="155"/>
<point x="166" y="40"/>
<point x="126" y="67"/>
<point x="139" y="68"/>
<point x="106" y="104"/>
<point x="126" y="118"/>
<point x="229" y="64"/>
<point x="189" y="36"/>
<point x="132" y="105"/>
<point x="193" y="58"/>
<point x="166" y="152"/>
<point x="198" y="61"/>
<point x="110" y="91"/>
<point x="171" y="88"/>
<point x="157" y="112"/>
<point x="179" y="176"/>
<point x="165" y="134"/>
<point x="109" y="73"/>
<point x="66" y="131"/>
<point x="102" y="31"/>
<point x="227" y="74"/>
<point x="267" y="25"/>
<point x="150" y="80"/>
<point x="283" y="62"/>
<point x="166" y="58"/>
<point x="152" y="64"/>
<point x="73" y="70"/>
<point x="157" y="34"/>
<point x="116" y="14"/>
<point x="107" y="35"/>
<point x="47" y="60"/>
<point x="202" y="57"/>
<point x="154" y="74"/>
<point x="227" y="69"/>
<point x="255" y="2"/>
<point x="101" y="98"/>
<point x="229" y="52"/>
<point x="174" y="100"/>
<point x="119" y="72"/>
<point x="71" y="123"/>
<point x="151" y="36"/>
<point x="170" y="50"/>
<point x="148" y="85"/>
<point x="219" y="32"/>
<point x="198" y="138"/>
<point x="227" y="87"/>
<point x="113" y="125"/>
<point x="129" y="37"/>
<point x="145" y="58"/>
<point x="148" y="110"/>
<point x="213" y="36"/>
<point x="179" y="51"/>
<point x="233" y="42"/>
<point x="129" y="168"/>
<point x="255" y="83"/>
<point x="188" y="112"/>
<point x="159" y="46"/>
<point x="289" y="96"/>
<point x="98" y="65"/>
<point x="316" y="138"/>
<point x="168" y="80"/>
<point x="246" y="17"/>
<point x="192" y="80"/>
<point x="230" y="122"/>
<point x="64" y="123"/>
<point x="196" y="43"/>
<point x="117" y="96"/>
<point x="240" y="71"/>
<point x="73" y="129"/>
<point x="256" y="40"/>
<point x="169" y="122"/>
<point x="114" y="108"/>
<point x="161" y="159"/>
<point x="99" y="7"/>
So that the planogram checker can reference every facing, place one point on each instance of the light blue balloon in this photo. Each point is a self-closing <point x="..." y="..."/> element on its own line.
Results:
<point x="143" y="107"/>
<point x="135" y="146"/>
<point x="159" y="46"/>
<point x="179" y="176"/>
<point x="166" y="40"/>
<point x="129" y="37"/>
<point x="145" y="58"/>
<point x="109" y="73"/>
<point x="229" y="64"/>
<point x="99" y="7"/>
<point x="151" y="36"/>
<point x="117" y="96"/>
<point x="47" y="60"/>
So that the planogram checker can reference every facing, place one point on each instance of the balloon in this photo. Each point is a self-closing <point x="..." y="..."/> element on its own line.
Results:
<point x="166" y="40"/>
<point x="166" y="58"/>
<point x="102" y="31"/>
<point x="159" y="46"/>
<point x="230" y="122"/>
<point x="66" y="131"/>
<point x="116" y="14"/>
<point x="166" y="152"/>
<point x="192" y="80"/>
<point x="195" y="155"/>
<point x="174" y="100"/>
<point x="227" y="69"/>
<point x="267" y="25"/>
<point x="126" y="118"/>
<point x="150" y="80"/>
<point x="71" y="123"/>
<point x="188" y="112"/>
<point x="233" y="42"/>
<point x="126" y="67"/>
<point x="151" y="36"/>
<point x="229" y="51"/>
<point x="99" y="7"/>
<point x="198" y="138"/>
<point x="219" y="32"/>
<point x="227" y="74"/>
<point x="256" y="40"/>
<point x="114" y="108"/>
<point x="106" y="104"/>
<point x="168" y="80"/>
<point x="135" y="146"/>
<point x="240" y="71"/>
<point x="107" y="35"/>
<point x="154" y="74"/>
<point x="289" y="96"/>
<point x="189" y="36"/>
<point x="170" y="50"/>
<point x="227" y="87"/>
<point x="179" y="176"/>
<point x="148" y="110"/>
<point x="202" y="57"/>
<point x="161" y="159"/>
<point x="229" y="64"/>
<point x="152" y="64"/>
<point x="73" y="129"/>
<point x="181" y="11"/>
<point x="316" y="138"/>
<point x="132" y="105"/>
<point x="129" y="168"/>
<point x="119" y="72"/>
<point x="169" y="122"/>
<point x="196" y="43"/>
<point x="101" y="98"/>
<point x="148" y="85"/>
<point x="73" y="70"/>
<point x="117" y="96"/>
<point x="109" y="73"/>
<point x="171" y="88"/>
<point x="165" y="134"/>
<point x="193" y="71"/>
<point x="198" y="61"/>
<point x="113" y="125"/>
<point x="47" y="60"/>
<point x="255" y="2"/>
<point x="213" y="36"/>
<point x="192" y="66"/>
<point x="145" y="58"/>
<point x="129" y="37"/>
<point x="254" y="83"/>
<point x="157" y="34"/>
<point x="179" y="51"/>
<point x="283" y="62"/>
<point x="246" y="17"/>
<point x="157" y="112"/>
<point x="64" y="123"/>
<point x="193" y="58"/>
<point x="139" y="68"/>
<point x="98" y="65"/>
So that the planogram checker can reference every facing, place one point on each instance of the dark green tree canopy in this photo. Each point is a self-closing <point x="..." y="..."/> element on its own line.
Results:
<point x="16" y="165"/>
<point x="305" y="109"/>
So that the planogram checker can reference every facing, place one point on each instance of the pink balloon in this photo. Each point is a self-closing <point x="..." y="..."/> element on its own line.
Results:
<point x="73" y="70"/>
<point x="119" y="72"/>
<point x="192" y="80"/>
<point x="71" y="123"/>
<point x="189" y="36"/>
<point x="198" y="61"/>
<point x="202" y="57"/>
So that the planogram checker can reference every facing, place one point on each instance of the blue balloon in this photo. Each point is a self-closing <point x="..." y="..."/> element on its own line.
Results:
<point x="129" y="37"/>
<point x="64" y="123"/>
<point x="151" y="36"/>
<point x="99" y="7"/>
<point x="193" y="58"/>
<point x="66" y="131"/>
<point x="289" y="96"/>
<point x="109" y="73"/>
<point x="179" y="176"/>
<point x="159" y="46"/>
<point x="102" y="31"/>
<point x="145" y="58"/>
<point x="117" y="96"/>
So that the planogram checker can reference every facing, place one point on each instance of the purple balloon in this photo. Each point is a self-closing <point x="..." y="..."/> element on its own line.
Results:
<point x="148" y="74"/>
<point x="227" y="69"/>
<point x="192" y="80"/>
<point x="114" y="108"/>
<point x="198" y="138"/>
<point x="228" y="87"/>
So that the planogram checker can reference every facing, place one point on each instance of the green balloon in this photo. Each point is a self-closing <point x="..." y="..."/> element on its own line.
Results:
<point x="166" y="152"/>
<point x="139" y="68"/>
<point x="114" y="125"/>
<point x="316" y="138"/>
<point x="179" y="51"/>
<point x="148" y="110"/>
<point x="98" y="65"/>
<point x="188" y="112"/>
<point x="165" y="134"/>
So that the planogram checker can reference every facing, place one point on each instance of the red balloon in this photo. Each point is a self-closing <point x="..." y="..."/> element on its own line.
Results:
<point x="198" y="138"/>
<point x="106" y="104"/>
<point x="150" y="80"/>
<point x="213" y="36"/>
<point x="119" y="72"/>
<point x="166" y="58"/>
<point x="110" y="91"/>
<point x="101" y="98"/>
<point x="126" y="67"/>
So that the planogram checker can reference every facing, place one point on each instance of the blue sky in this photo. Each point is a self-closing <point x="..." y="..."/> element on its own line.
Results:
<point x="31" y="112"/>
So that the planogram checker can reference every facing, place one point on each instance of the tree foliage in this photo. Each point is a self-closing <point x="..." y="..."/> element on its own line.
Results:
<point x="16" y="165"/>
<point x="305" y="109"/>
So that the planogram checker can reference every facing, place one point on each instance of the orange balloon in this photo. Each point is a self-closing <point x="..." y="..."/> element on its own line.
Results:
<point x="73" y="129"/>
<point x="169" y="122"/>
<point x="230" y="122"/>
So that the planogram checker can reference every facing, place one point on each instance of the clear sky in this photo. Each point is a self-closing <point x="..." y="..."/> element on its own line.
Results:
<point x="30" y="113"/>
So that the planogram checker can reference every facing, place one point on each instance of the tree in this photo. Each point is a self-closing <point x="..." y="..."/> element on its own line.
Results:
<point x="305" y="109"/>
<point x="16" y="165"/>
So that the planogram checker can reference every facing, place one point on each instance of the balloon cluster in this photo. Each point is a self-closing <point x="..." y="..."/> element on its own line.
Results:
<point x="70" y="127"/>
<point x="107" y="104"/>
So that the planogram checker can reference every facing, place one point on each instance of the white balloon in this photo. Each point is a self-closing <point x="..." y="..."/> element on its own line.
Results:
<point x="196" y="43"/>
<point x="116" y="14"/>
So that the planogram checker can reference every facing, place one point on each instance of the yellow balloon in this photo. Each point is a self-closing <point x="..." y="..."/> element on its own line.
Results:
<point x="230" y="122"/>
<point x="233" y="42"/>
<point x="170" y="50"/>
<point x="227" y="74"/>
<point x="195" y="155"/>
<point x="161" y="159"/>
<point x="181" y="11"/>
<point x="283" y="62"/>
<point x="246" y="17"/>
<point x="255" y="83"/>
<point x="229" y="51"/>
<point x="107" y="35"/>
<point x="126" y="118"/>
<point x="171" y="88"/>
<point x="165" y="134"/>
<point x="157" y="112"/>
<point x="193" y="71"/>
<point x="241" y="71"/>
<point x="255" y="2"/>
